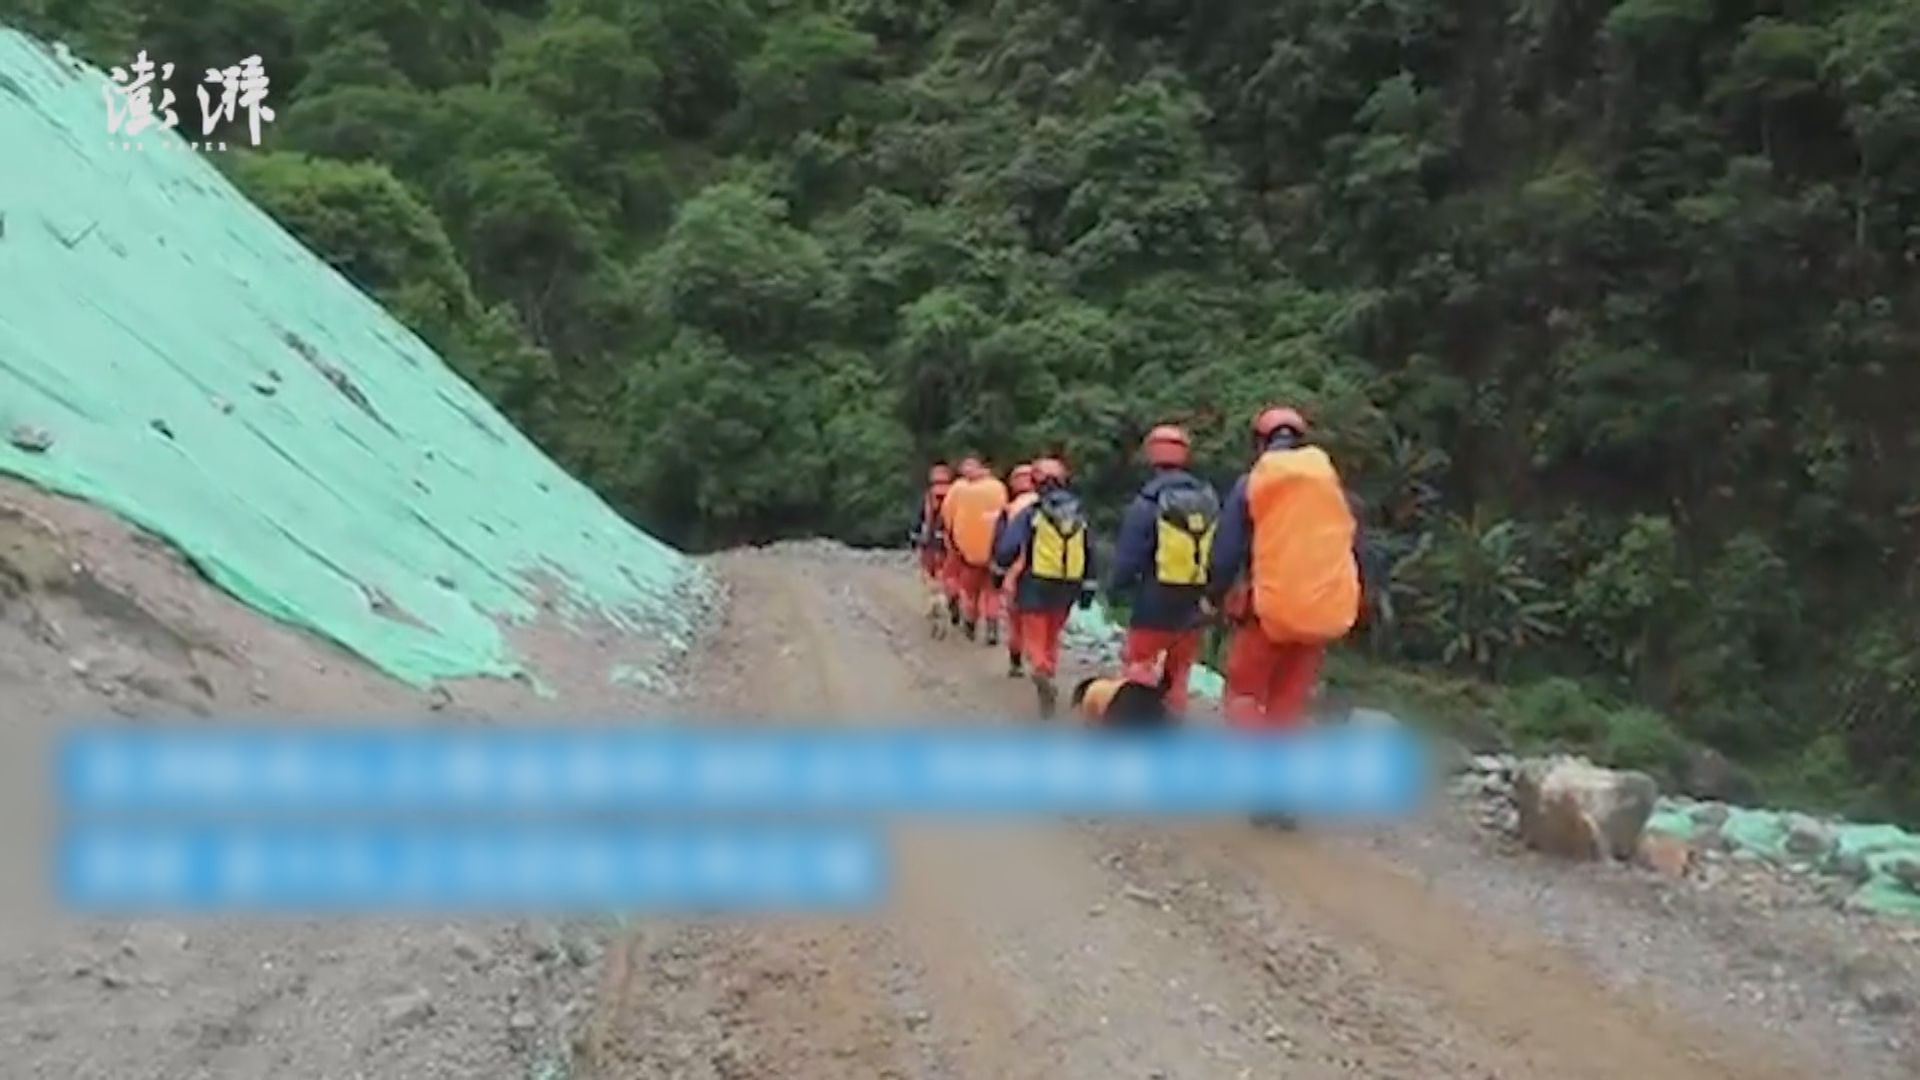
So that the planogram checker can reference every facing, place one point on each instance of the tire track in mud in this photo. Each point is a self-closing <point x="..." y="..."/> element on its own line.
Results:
<point x="1087" y="951"/>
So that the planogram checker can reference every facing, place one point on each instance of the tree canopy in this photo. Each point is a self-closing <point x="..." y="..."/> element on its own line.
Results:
<point x="1607" y="307"/>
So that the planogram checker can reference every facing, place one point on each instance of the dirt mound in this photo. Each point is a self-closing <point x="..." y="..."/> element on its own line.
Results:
<point x="96" y="618"/>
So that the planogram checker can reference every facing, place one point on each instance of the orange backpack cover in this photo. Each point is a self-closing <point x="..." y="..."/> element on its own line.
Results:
<point x="1306" y="585"/>
<point x="970" y="511"/>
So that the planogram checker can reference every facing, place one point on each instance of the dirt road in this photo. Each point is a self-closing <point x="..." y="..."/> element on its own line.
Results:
<point x="1079" y="950"/>
<point x="1069" y="950"/>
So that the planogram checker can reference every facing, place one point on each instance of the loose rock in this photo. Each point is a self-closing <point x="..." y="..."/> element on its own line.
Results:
<point x="1666" y="855"/>
<point x="404" y="1010"/>
<point x="1807" y="837"/>
<point x="29" y="438"/>
<point x="1884" y="1001"/>
<point x="1575" y="809"/>
<point x="1711" y="815"/>
<point x="1906" y="872"/>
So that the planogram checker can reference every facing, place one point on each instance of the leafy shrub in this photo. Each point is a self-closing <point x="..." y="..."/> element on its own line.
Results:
<point x="1639" y="738"/>
<point x="1555" y="713"/>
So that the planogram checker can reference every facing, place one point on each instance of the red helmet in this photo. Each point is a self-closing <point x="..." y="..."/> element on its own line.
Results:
<point x="1049" y="470"/>
<point x="1167" y="446"/>
<point x="940" y="474"/>
<point x="1275" y="418"/>
<point x="1020" y="479"/>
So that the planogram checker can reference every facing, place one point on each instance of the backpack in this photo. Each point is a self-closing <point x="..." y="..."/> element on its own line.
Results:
<point x="971" y="509"/>
<point x="1305" y="580"/>
<point x="1183" y="533"/>
<point x="1059" y="548"/>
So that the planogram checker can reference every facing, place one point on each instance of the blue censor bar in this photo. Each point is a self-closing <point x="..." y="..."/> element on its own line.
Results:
<point x="332" y="869"/>
<point x="1334" y="771"/>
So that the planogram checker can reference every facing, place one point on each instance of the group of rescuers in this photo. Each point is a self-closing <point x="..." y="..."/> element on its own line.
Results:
<point x="1278" y="561"/>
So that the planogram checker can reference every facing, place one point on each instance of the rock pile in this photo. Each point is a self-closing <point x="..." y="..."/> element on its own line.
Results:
<point x="1771" y="860"/>
<point x="1485" y="784"/>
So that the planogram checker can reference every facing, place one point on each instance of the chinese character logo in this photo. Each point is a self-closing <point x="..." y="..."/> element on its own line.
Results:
<point x="134" y="112"/>
<point x="242" y="87"/>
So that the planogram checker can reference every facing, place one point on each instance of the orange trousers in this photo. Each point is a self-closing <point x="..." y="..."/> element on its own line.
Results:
<point x="1014" y="622"/>
<point x="933" y="565"/>
<point x="1154" y="657"/>
<point x="1040" y="638"/>
<point x="974" y="587"/>
<point x="1269" y="682"/>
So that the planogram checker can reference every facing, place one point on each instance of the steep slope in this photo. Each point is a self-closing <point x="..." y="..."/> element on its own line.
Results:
<point x="170" y="353"/>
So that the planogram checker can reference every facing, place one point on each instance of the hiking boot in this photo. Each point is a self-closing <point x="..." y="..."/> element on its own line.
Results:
<point x="953" y="612"/>
<point x="971" y="629"/>
<point x="1048" y="693"/>
<point x="1016" y="665"/>
<point x="993" y="631"/>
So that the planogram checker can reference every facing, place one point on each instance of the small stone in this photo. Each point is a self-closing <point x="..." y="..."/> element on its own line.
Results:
<point x="402" y="1010"/>
<point x="1144" y="896"/>
<point x="1712" y="815"/>
<point x="581" y="950"/>
<point x="1808" y="837"/>
<point x="546" y="941"/>
<point x="1884" y="1000"/>
<point x="1097" y="910"/>
<point x="31" y="439"/>
<point x="1664" y="854"/>
<point x="919" y="1018"/>
<point x="466" y="946"/>
<point x="1906" y="872"/>
<point x="522" y="1022"/>
<point x="1850" y="865"/>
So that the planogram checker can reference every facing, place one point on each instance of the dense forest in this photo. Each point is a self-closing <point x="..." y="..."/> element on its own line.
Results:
<point x="1607" y="307"/>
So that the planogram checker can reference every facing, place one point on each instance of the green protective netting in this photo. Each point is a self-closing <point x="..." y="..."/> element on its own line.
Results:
<point x="168" y="352"/>
<point x="1764" y="833"/>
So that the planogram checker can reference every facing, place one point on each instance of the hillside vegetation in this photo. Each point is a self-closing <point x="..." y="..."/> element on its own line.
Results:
<point x="1607" y="307"/>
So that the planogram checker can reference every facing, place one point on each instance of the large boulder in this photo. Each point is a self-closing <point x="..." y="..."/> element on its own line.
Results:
<point x="1575" y="809"/>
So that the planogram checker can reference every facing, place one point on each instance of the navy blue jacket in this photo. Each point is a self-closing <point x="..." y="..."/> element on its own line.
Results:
<point x="1233" y="540"/>
<point x="925" y="530"/>
<point x="1015" y="541"/>
<point x="1154" y="606"/>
